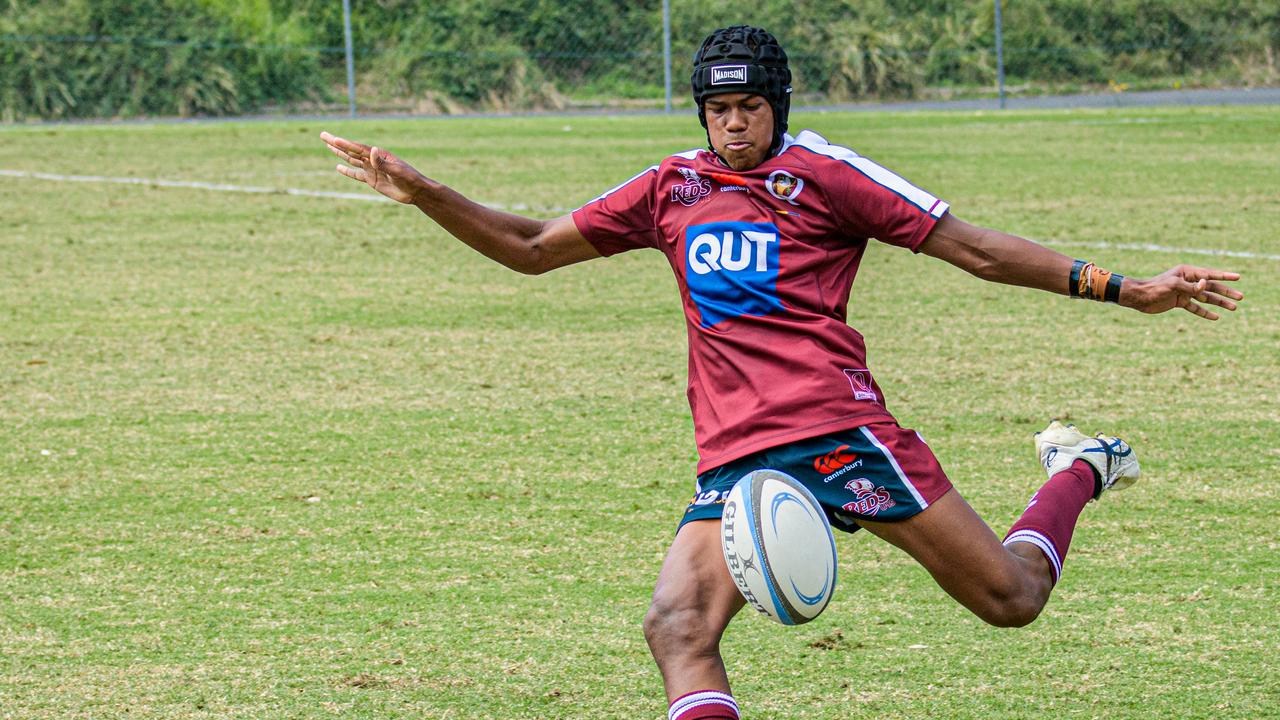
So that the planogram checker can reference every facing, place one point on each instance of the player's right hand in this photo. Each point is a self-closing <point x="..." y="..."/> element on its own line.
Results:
<point x="377" y="168"/>
<point x="1185" y="286"/>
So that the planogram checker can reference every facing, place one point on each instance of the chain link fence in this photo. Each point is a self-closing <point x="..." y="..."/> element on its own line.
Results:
<point x="188" y="58"/>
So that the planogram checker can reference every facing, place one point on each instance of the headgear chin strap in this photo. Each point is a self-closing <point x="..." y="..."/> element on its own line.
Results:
<point x="743" y="59"/>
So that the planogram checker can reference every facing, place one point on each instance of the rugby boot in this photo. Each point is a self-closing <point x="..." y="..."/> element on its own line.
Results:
<point x="1114" y="462"/>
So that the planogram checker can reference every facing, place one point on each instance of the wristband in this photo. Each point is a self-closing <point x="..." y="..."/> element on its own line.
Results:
<point x="1113" y="288"/>
<point x="1073" y="282"/>
<point x="1091" y="282"/>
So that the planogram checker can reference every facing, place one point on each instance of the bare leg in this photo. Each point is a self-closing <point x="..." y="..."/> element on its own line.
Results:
<point x="1005" y="586"/>
<point x="693" y="603"/>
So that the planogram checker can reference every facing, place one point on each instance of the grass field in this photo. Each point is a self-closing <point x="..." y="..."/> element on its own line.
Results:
<point x="266" y="456"/>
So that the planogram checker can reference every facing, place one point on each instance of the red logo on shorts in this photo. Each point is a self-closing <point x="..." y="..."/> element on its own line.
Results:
<point x="834" y="460"/>
<point x="871" y="499"/>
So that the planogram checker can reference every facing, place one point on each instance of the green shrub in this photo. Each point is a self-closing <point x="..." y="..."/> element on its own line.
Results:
<point x="234" y="56"/>
<point x="119" y="58"/>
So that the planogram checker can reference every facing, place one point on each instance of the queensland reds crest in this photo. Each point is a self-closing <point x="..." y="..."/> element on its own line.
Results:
<point x="693" y="189"/>
<point x="870" y="499"/>
<point x="784" y="186"/>
<point x="860" y="383"/>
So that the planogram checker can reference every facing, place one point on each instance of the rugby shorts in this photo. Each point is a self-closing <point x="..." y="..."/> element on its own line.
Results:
<point x="877" y="472"/>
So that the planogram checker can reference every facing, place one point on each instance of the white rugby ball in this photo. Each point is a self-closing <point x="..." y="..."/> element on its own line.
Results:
<point x="779" y="547"/>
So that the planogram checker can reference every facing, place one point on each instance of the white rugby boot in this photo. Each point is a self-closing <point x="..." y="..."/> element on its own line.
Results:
<point x="1115" y="463"/>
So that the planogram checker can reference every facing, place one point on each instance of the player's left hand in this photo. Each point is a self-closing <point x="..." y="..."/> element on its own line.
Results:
<point x="377" y="168"/>
<point x="1185" y="286"/>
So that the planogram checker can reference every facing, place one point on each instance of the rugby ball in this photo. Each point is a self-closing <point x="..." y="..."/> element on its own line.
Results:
<point x="779" y="547"/>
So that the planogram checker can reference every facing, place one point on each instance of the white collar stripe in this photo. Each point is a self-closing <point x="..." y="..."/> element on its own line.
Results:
<point x="619" y="186"/>
<point x="886" y="178"/>
<point x="687" y="155"/>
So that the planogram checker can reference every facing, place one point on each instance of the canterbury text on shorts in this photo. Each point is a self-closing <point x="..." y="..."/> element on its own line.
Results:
<point x="875" y="472"/>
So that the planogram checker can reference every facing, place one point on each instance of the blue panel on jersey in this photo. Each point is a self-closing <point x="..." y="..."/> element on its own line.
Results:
<point x="732" y="269"/>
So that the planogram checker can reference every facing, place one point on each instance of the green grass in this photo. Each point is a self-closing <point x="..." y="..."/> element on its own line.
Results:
<point x="287" y="457"/>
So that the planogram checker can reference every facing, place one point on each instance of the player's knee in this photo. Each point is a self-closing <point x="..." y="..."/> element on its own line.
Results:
<point x="1010" y="604"/>
<point x="1012" y="612"/>
<point x="672" y="626"/>
<point x="1009" y="600"/>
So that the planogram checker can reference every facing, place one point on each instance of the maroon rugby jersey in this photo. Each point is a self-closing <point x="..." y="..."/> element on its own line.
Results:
<point x="764" y="260"/>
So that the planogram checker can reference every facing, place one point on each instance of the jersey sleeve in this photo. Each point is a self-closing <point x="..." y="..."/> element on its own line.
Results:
<point x="871" y="201"/>
<point x="621" y="219"/>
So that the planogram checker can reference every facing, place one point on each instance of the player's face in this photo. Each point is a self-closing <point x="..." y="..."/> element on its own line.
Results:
<point x="741" y="128"/>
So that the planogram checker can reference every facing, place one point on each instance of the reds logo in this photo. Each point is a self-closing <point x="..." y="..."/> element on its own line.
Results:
<point x="871" y="499"/>
<point x="708" y="497"/>
<point x="693" y="189"/>
<point x="834" y="460"/>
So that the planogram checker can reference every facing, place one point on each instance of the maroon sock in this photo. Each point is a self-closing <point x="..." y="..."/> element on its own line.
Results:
<point x="1051" y="515"/>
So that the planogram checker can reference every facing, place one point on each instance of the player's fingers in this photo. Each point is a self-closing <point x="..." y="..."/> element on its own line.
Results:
<point x="383" y="161"/>
<point x="1215" y="299"/>
<point x="356" y="149"/>
<point x="1199" y="311"/>
<point x="343" y="155"/>
<point x="353" y="173"/>
<point x="1186" y="288"/>
<point x="1225" y="290"/>
<point x="1212" y="274"/>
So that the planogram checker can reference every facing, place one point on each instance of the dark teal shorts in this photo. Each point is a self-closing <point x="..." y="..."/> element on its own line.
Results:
<point x="875" y="472"/>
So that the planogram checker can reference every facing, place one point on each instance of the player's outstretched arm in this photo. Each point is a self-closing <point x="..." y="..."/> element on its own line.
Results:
<point x="1000" y="257"/>
<point x="523" y="244"/>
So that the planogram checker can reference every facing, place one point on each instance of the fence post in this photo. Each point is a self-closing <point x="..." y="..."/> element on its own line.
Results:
<point x="351" y="65"/>
<point x="1000" y="54"/>
<point x="666" y="50"/>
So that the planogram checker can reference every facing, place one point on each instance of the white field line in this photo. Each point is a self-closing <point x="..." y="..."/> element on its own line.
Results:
<point x="1152" y="247"/>
<point x="369" y="197"/>
<point x="225" y="187"/>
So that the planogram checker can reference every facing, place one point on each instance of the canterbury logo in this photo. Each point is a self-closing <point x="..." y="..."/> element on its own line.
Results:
<point x="833" y="460"/>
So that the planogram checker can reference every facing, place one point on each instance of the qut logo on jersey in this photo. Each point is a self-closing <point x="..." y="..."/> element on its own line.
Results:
<point x="731" y="269"/>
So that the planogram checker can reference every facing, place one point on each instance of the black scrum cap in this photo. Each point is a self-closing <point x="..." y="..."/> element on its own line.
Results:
<point x="744" y="59"/>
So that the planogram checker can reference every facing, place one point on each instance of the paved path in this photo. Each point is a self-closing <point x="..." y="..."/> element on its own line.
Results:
<point x="1255" y="96"/>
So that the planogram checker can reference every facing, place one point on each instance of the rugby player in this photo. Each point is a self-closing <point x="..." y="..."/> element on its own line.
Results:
<point x="765" y="231"/>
